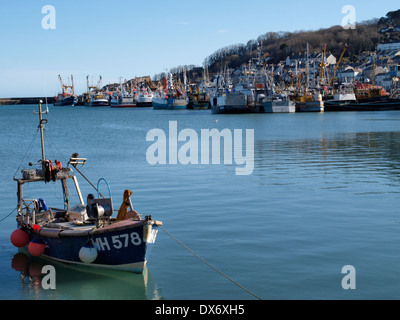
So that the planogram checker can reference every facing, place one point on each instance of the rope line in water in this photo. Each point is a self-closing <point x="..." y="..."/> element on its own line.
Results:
<point x="8" y="215"/>
<point x="220" y="272"/>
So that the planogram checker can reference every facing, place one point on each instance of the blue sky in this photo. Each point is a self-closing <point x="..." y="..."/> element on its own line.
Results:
<point x="128" y="38"/>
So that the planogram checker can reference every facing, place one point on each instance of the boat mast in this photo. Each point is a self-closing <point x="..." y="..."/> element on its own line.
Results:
<point x="72" y="85"/>
<point x="42" y="122"/>
<point x="322" y="65"/>
<point x="308" y="68"/>
<point x="62" y="85"/>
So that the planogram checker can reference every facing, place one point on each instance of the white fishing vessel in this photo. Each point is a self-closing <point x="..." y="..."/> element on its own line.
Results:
<point x="144" y="98"/>
<point x="341" y="98"/>
<point x="98" y="99"/>
<point x="122" y="99"/>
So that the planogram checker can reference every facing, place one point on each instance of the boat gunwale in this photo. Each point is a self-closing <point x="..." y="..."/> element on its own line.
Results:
<point x="73" y="233"/>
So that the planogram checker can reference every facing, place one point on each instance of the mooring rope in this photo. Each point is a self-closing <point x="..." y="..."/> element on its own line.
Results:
<point x="8" y="215"/>
<point x="211" y="266"/>
<point x="27" y="151"/>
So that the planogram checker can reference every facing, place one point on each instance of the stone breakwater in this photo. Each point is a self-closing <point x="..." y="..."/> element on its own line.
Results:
<point x="20" y="101"/>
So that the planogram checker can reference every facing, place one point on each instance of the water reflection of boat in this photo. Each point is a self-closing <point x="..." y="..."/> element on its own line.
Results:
<point x="81" y="283"/>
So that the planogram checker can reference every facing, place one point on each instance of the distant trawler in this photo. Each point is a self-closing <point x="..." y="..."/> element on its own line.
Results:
<point x="122" y="98"/>
<point x="96" y="96"/>
<point x="67" y="97"/>
<point x="170" y="98"/>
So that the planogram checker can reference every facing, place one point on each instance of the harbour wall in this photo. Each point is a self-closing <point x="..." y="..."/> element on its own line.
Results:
<point x="20" y="101"/>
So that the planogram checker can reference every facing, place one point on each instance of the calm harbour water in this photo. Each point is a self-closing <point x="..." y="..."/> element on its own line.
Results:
<point x="324" y="194"/>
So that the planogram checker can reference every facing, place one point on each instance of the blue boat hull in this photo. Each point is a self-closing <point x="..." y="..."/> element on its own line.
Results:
<point x="69" y="101"/>
<point x="121" y="248"/>
<point x="169" y="104"/>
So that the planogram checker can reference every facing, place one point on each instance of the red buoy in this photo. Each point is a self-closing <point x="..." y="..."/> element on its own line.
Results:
<point x="36" y="247"/>
<point x="19" y="238"/>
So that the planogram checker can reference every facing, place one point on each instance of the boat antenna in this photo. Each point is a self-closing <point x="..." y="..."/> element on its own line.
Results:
<point x="42" y="122"/>
<point x="74" y="161"/>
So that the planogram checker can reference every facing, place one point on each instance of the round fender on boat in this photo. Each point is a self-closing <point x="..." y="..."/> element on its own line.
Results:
<point x="88" y="254"/>
<point x="36" y="247"/>
<point x="19" y="238"/>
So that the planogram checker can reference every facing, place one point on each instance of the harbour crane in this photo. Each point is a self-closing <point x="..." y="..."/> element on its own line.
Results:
<point x="66" y="87"/>
<point x="337" y="65"/>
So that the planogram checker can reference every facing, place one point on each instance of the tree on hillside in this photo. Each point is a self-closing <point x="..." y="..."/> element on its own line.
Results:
<point x="392" y="18"/>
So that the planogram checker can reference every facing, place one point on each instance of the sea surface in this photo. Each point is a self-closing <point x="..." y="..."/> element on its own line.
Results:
<point x="324" y="194"/>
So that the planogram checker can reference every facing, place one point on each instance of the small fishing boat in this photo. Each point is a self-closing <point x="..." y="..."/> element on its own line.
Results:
<point x="84" y="234"/>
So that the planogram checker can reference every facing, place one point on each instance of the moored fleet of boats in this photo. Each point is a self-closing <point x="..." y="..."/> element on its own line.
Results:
<point x="252" y="89"/>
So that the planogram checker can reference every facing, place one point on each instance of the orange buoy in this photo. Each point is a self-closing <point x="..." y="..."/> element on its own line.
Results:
<point x="19" y="238"/>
